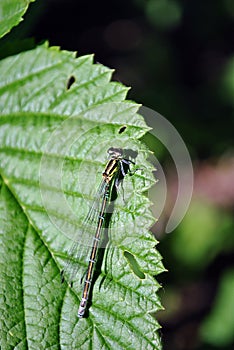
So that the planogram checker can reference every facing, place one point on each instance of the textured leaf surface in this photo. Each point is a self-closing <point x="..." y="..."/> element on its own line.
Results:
<point x="59" y="115"/>
<point x="11" y="12"/>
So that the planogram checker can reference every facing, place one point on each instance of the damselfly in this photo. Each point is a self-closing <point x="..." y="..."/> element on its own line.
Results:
<point x="116" y="169"/>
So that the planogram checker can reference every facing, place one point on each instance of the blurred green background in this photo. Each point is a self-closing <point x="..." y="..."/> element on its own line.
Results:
<point x="178" y="57"/>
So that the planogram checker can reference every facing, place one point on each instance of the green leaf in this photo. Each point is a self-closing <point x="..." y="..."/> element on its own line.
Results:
<point x="198" y="236"/>
<point x="11" y="12"/>
<point x="59" y="115"/>
<point x="218" y="327"/>
<point x="201" y="245"/>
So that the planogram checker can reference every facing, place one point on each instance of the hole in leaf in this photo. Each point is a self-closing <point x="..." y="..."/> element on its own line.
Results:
<point x="70" y="81"/>
<point x="134" y="265"/>
<point x="122" y="129"/>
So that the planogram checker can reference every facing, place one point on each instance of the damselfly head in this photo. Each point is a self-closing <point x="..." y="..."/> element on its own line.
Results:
<point x="115" y="152"/>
